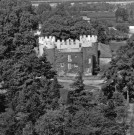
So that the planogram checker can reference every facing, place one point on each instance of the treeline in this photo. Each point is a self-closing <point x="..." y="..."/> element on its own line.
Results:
<point x="94" y="7"/>
<point x="85" y="0"/>
<point x="65" y="22"/>
<point x="31" y="102"/>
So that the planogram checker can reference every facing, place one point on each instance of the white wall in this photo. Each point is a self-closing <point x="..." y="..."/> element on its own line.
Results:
<point x="50" y="43"/>
<point x="131" y="29"/>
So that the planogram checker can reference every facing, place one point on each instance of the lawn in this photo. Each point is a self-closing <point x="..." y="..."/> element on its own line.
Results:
<point x="66" y="87"/>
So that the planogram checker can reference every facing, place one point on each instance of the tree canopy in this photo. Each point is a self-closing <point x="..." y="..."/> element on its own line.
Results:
<point x="63" y="23"/>
<point x="32" y="90"/>
<point x="101" y="30"/>
<point x="66" y="27"/>
<point x="121" y="14"/>
<point x="43" y="11"/>
<point x="43" y="8"/>
<point x="27" y="78"/>
<point x="119" y="76"/>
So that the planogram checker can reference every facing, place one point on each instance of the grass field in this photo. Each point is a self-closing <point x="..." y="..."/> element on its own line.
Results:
<point x="64" y="92"/>
<point x="102" y="15"/>
<point x="89" y="86"/>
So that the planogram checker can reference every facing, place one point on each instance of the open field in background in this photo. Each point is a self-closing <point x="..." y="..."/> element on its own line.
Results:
<point x="103" y="16"/>
<point x="106" y="15"/>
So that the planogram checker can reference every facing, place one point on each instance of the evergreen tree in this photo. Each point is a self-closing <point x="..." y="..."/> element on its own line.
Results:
<point x="75" y="96"/>
<point x="89" y="116"/>
<point x="114" y="111"/>
<point x="121" y="14"/>
<point x="54" y="93"/>
<point x="119" y="75"/>
<point x="102" y="30"/>
<point x="26" y="77"/>
<point x="54" y="122"/>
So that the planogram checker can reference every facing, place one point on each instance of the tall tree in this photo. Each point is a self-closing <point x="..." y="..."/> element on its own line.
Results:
<point x="54" y="122"/>
<point x="101" y="30"/>
<point x="123" y="28"/>
<point x="78" y="98"/>
<point x="26" y="77"/>
<point x="43" y="7"/>
<point x="65" y="27"/>
<point x="76" y="87"/>
<point x="119" y="76"/>
<point x="121" y="14"/>
<point x="43" y="11"/>
<point x="62" y="24"/>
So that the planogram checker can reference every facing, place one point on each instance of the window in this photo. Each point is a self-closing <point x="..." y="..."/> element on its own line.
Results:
<point x="69" y="58"/>
<point x="89" y="61"/>
<point x="69" y="66"/>
<point x="61" y="64"/>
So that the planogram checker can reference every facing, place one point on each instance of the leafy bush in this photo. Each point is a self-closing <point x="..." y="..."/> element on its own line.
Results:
<point x="117" y="35"/>
<point x="122" y="27"/>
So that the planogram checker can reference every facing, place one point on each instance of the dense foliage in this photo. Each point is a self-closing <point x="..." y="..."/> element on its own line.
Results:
<point x="26" y="77"/>
<point x="64" y="25"/>
<point x="95" y="7"/>
<point x="66" y="21"/>
<point x="83" y="115"/>
<point x="102" y="31"/>
<point x="119" y="76"/>
<point x="31" y="102"/>
<point x="88" y="0"/>
<point x="117" y="35"/>
<point x="121" y="15"/>
<point x="97" y="116"/>
<point x="122" y="28"/>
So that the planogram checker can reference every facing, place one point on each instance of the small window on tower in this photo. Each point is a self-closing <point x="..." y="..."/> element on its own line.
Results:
<point x="89" y="61"/>
<point x="62" y="64"/>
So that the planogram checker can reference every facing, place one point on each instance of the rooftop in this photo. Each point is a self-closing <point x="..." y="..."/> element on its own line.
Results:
<point x="105" y="51"/>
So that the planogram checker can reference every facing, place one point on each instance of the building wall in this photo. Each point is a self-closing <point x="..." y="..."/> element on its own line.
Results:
<point x="70" y="57"/>
<point x="69" y="45"/>
<point x="72" y="62"/>
<point x="104" y="61"/>
<point x="131" y="29"/>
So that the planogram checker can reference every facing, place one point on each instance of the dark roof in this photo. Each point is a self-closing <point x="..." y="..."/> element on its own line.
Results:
<point x="105" y="51"/>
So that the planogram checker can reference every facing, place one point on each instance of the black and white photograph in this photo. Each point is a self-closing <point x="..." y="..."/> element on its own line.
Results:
<point x="66" y="67"/>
